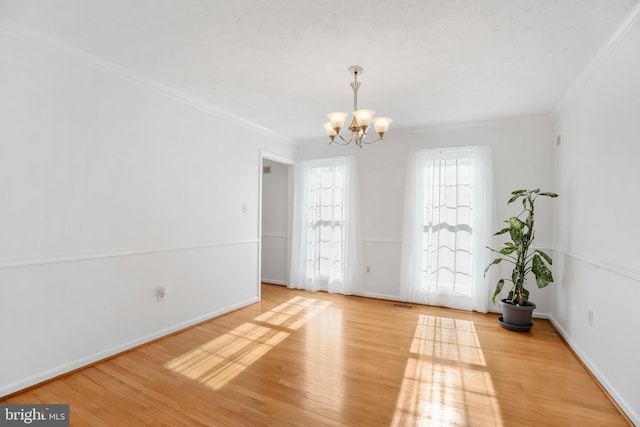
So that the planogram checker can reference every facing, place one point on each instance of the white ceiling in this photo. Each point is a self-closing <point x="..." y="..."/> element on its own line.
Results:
<point x="283" y="63"/>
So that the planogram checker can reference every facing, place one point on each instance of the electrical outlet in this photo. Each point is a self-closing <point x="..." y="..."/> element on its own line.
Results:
<point x="244" y="208"/>
<point x="368" y="269"/>
<point x="590" y="318"/>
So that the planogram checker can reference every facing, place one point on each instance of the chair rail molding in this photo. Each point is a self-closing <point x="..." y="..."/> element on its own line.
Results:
<point x="114" y="254"/>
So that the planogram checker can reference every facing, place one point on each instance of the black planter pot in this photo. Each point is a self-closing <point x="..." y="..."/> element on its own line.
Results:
<point x="516" y="317"/>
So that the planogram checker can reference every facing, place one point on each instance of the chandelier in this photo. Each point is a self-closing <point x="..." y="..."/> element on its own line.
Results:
<point x="362" y="119"/>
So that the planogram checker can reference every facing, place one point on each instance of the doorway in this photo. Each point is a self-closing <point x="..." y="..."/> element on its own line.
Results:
<point x="276" y="213"/>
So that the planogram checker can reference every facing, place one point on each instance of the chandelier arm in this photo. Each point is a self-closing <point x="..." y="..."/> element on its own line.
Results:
<point x="336" y="141"/>
<point x="347" y="142"/>
<point x="371" y="142"/>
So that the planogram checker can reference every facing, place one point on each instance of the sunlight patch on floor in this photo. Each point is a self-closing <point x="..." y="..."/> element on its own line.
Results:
<point x="446" y="338"/>
<point x="294" y="313"/>
<point x="218" y="361"/>
<point x="446" y="382"/>
<point x="325" y="370"/>
<point x="221" y="359"/>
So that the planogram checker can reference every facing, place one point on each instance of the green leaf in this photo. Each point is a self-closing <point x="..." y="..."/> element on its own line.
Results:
<point x="554" y="195"/>
<point x="508" y="250"/>
<point x="499" y="286"/>
<point x="545" y="256"/>
<point x="515" y="229"/>
<point x="537" y="190"/>
<point x="518" y="191"/>
<point x="542" y="273"/>
<point x="495" y="261"/>
<point x="514" y="198"/>
<point x="504" y="230"/>
<point x="515" y="222"/>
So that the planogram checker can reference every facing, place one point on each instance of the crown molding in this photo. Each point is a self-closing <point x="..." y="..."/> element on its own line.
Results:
<point x="624" y="30"/>
<point x="77" y="55"/>
<point x="542" y="117"/>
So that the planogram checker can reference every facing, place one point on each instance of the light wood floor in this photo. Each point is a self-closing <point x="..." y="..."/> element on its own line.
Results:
<point x="302" y="358"/>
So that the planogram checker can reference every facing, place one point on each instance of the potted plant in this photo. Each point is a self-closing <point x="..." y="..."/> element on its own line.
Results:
<point x="516" y="308"/>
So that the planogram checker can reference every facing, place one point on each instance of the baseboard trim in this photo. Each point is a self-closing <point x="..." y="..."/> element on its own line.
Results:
<point x="67" y="369"/>
<point x="535" y="315"/>
<point x="274" y="282"/>
<point x="382" y="296"/>
<point x="620" y="404"/>
<point x="546" y="316"/>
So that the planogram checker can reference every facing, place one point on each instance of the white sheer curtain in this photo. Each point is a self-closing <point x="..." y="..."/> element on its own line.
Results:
<point x="449" y="221"/>
<point x="326" y="235"/>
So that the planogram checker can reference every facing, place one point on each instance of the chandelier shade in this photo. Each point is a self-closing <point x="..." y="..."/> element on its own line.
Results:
<point x="336" y="120"/>
<point x="361" y="122"/>
<point x="328" y="127"/>
<point x="381" y="125"/>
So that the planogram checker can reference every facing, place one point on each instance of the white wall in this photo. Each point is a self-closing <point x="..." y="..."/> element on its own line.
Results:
<point x="275" y="223"/>
<point x="523" y="152"/>
<point x="596" y="221"/>
<point x="110" y="186"/>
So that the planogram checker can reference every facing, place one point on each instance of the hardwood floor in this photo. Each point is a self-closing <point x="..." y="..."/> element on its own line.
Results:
<point x="302" y="358"/>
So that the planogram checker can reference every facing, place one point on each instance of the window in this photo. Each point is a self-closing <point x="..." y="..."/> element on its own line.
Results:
<point x="447" y="226"/>
<point x="325" y="222"/>
<point x="448" y="230"/>
<point x="326" y="241"/>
